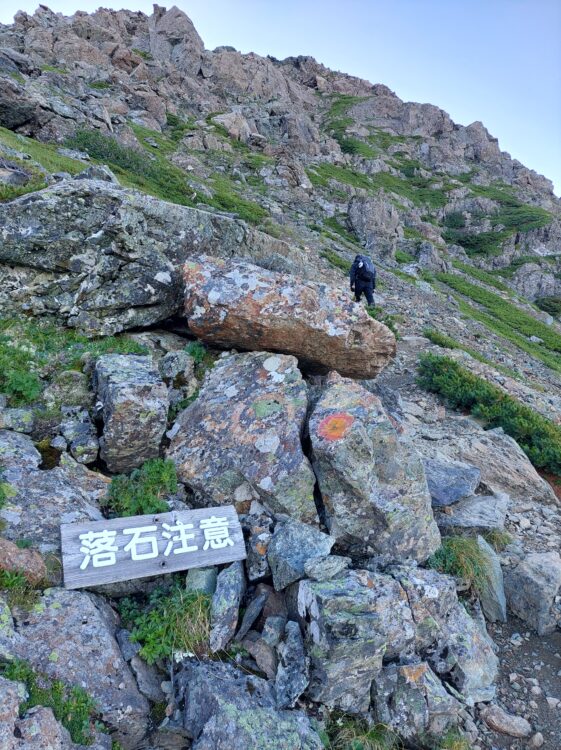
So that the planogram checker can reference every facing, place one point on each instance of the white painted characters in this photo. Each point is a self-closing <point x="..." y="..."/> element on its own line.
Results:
<point x="100" y="548"/>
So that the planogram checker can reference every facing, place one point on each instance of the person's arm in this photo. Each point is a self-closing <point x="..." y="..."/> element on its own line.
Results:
<point x="374" y="280"/>
<point x="352" y="275"/>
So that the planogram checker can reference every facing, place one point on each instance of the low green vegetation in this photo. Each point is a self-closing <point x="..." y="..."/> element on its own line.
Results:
<point x="336" y="260"/>
<point x="53" y="69"/>
<point x="19" y="592"/>
<point x="155" y="176"/>
<point x="538" y="437"/>
<point x="504" y="330"/>
<point x="142" y="53"/>
<point x="481" y="275"/>
<point x="100" y="85"/>
<point x="551" y="305"/>
<point x="453" y="740"/>
<point x="337" y="121"/>
<point x="448" y="342"/>
<point x="402" y="256"/>
<point x="461" y="557"/>
<point x="203" y="358"/>
<point x="336" y="224"/>
<point x="72" y="706"/>
<point x="143" y="491"/>
<point x="44" y="154"/>
<point x="29" y="346"/>
<point x="169" y="620"/>
<point x="36" y="181"/>
<point x="225" y="198"/>
<point x="498" y="539"/>
<point x="504" y="311"/>
<point x="344" y="732"/>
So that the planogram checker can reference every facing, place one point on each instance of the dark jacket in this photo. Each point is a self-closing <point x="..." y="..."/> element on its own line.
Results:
<point x="360" y="277"/>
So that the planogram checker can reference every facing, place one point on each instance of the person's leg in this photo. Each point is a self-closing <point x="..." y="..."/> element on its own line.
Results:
<point x="358" y="292"/>
<point x="369" y="296"/>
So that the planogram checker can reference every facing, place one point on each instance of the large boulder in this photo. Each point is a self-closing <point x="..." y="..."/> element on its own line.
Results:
<point x="532" y="591"/>
<point x="372" y="483"/>
<point x="38" y="500"/>
<point x="69" y="636"/>
<point x="351" y="623"/>
<point x="106" y="259"/>
<point x="292" y="546"/>
<point x="241" y="439"/>
<point x="227" y="708"/>
<point x="133" y="401"/>
<point x="234" y="303"/>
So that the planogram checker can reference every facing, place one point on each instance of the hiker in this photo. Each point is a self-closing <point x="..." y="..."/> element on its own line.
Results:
<point x="363" y="278"/>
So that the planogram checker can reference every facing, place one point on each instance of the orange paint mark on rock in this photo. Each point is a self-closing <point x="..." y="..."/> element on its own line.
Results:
<point x="335" y="426"/>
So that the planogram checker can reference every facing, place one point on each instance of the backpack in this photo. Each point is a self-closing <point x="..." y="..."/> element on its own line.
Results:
<point x="367" y="272"/>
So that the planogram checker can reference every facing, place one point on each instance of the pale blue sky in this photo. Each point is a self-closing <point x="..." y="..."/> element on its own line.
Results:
<point x="498" y="61"/>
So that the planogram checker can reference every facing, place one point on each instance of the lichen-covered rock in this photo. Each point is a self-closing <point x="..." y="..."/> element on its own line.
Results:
<point x="240" y="440"/>
<point x="38" y="500"/>
<point x="134" y="408"/>
<point x="492" y="595"/>
<point x="351" y="623"/>
<point x="81" y="436"/>
<point x="106" y="259"/>
<point x="413" y="702"/>
<point x="293" y="669"/>
<point x="532" y="591"/>
<point x="19" y="420"/>
<point x="227" y="708"/>
<point x="372" y="483"/>
<point x="69" y="636"/>
<point x="234" y="303"/>
<point x="224" y="611"/>
<point x="293" y="544"/>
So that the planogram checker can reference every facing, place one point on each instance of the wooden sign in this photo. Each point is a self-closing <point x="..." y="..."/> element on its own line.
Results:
<point x="121" y="549"/>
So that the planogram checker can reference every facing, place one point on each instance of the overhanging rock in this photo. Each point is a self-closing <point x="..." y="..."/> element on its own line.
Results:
<point x="234" y="303"/>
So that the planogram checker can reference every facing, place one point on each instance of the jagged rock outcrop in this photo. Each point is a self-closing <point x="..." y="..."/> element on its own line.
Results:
<point x="233" y="303"/>
<point x="373" y="484"/>
<point x="240" y="440"/>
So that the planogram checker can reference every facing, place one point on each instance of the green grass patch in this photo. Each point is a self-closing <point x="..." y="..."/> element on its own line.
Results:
<point x="447" y="342"/>
<point x="337" y="261"/>
<point x="345" y="732"/>
<point x="504" y="311"/>
<point x="168" y="621"/>
<point x="387" y="319"/>
<point x="225" y="198"/>
<point x="538" y="437"/>
<point x="19" y="592"/>
<point x="142" y="53"/>
<point x="410" y="233"/>
<point x="461" y="557"/>
<point x="53" y="69"/>
<point x="44" y="154"/>
<point x="143" y="491"/>
<point x="100" y="85"/>
<point x="26" y="347"/>
<point x="505" y="331"/>
<point x="481" y="275"/>
<point x="72" y="706"/>
<point x="498" y="539"/>
<point x="155" y="176"/>
<point x="335" y="224"/>
<point x="403" y="257"/>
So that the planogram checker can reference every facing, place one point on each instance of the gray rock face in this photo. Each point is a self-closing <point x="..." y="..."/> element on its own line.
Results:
<point x="413" y="702"/>
<point x="532" y="590"/>
<point x="230" y="588"/>
<point x="351" y="623"/>
<point x="293" y="669"/>
<point x="450" y="481"/>
<point x="476" y="514"/>
<point x="226" y="708"/>
<point x="69" y="636"/>
<point x="134" y="409"/>
<point x="373" y="484"/>
<point x="202" y="579"/>
<point x="292" y="546"/>
<point x="324" y="568"/>
<point x="80" y="434"/>
<point x="116" y="253"/>
<point x="492" y="597"/>
<point x="499" y="720"/>
<point x="39" y="501"/>
<point x="240" y="440"/>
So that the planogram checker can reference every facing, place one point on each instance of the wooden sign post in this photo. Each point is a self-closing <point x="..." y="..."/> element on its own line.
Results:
<point x="122" y="549"/>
